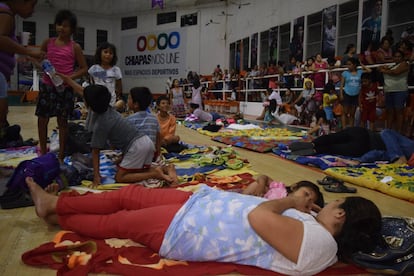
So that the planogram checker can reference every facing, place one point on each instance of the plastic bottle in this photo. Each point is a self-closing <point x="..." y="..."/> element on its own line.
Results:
<point x="54" y="141"/>
<point x="51" y="72"/>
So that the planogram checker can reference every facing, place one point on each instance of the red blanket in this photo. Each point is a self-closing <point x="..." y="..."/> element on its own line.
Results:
<point x="72" y="254"/>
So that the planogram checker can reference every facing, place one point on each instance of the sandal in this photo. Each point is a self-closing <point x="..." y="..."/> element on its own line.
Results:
<point x="339" y="188"/>
<point x="329" y="180"/>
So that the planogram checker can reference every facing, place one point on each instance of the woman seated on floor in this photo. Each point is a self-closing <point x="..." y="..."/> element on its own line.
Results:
<point x="364" y="145"/>
<point x="271" y="234"/>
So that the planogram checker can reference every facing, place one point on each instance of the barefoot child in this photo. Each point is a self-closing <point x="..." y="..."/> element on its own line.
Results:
<point x="63" y="53"/>
<point x="109" y="125"/>
<point x="146" y="123"/>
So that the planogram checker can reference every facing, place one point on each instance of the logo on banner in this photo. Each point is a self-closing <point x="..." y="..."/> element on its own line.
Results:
<point x="154" y="54"/>
<point x="163" y="41"/>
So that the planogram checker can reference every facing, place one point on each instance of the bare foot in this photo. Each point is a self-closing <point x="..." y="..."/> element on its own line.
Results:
<point x="348" y="161"/>
<point x="160" y="174"/>
<point x="173" y="174"/>
<point x="45" y="203"/>
<point x="402" y="160"/>
<point x="52" y="189"/>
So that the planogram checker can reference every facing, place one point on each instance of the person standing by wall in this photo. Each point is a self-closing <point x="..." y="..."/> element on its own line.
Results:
<point x="349" y="91"/>
<point x="177" y="99"/>
<point x="396" y="91"/>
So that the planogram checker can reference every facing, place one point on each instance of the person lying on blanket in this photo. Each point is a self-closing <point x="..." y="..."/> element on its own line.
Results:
<point x="363" y="145"/>
<point x="203" y="116"/>
<point x="266" y="187"/>
<point x="108" y="125"/>
<point x="221" y="226"/>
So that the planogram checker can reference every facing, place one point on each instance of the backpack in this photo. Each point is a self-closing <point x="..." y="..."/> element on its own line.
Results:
<point x="79" y="139"/>
<point x="395" y="254"/>
<point x="44" y="169"/>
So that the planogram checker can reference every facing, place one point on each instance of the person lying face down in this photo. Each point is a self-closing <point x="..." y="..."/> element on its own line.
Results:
<point x="363" y="145"/>
<point x="214" y="225"/>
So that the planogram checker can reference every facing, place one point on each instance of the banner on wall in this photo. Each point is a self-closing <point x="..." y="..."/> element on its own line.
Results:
<point x="152" y="55"/>
<point x="296" y="45"/>
<point x="371" y="23"/>
<point x="329" y="32"/>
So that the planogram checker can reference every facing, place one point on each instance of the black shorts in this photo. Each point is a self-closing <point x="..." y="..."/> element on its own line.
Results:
<point x="54" y="104"/>
<point x="350" y="100"/>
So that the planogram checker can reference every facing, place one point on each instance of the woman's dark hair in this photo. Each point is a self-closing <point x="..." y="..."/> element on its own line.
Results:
<point x="97" y="97"/>
<point x="319" y="196"/>
<point x="272" y="105"/>
<point x="349" y="47"/>
<point x="194" y="105"/>
<point x="103" y="46"/>
<point x="329" y="86"/>
<point x="353" y="60"/>
<point x="196" y="83"/>
<point x="162" y="98"/>
<point x="361" y="230"/>
<point x="66" y="15"/>
<point x="386" y="38"/>
<point x="366" y="76"/>
<point x="142" y="96"/>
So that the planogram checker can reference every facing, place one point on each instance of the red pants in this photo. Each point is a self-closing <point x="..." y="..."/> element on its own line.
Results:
<point x="134" y="212"/>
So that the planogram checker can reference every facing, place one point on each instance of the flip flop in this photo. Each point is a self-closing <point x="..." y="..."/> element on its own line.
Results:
<point x="339" y="188"/>
<point x="328" y="180"/>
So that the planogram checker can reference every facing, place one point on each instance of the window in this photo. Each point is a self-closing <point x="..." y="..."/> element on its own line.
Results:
<point x="101" y="36"/>
<point x="189" y="20"/>
<point x="129" y="23"/>
<point x="245" y="53"/>
<point x="264" y="47"/>
<point x="79" y="37"/>
<point x="253" y="50"/>
<point x="167" y="17"/>
<point x="314" y="34"/>
<point x="232" y="60"/>
<point x="400" y="17"/>
<point x="273" y="45"/>
<point x="31" y="28"/>
<point x="348" y="25"/>
<point x="284" y="42"/>
<point x="52" y="30"/>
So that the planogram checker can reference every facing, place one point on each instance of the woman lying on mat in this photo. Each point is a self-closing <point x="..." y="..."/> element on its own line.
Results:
<point x="214" y="225"/>
<point x="266" y="187"/>
<point x="362" y="144"/>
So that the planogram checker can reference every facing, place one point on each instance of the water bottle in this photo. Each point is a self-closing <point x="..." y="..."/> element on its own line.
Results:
<point x="54" y="141"/>
<point x="51" y="72"/>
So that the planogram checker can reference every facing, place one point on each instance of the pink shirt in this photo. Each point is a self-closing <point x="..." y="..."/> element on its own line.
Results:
<point x="61" y="57"/>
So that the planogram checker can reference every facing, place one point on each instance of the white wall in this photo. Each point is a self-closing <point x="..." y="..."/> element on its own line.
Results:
<point x="207" y="46"/>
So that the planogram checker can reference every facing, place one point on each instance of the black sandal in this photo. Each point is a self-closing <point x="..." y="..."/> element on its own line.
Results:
<point x="339" y="188"/>
<point x="329" y="180"/>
